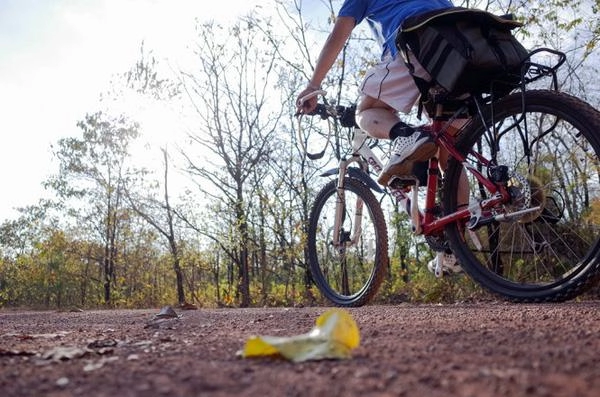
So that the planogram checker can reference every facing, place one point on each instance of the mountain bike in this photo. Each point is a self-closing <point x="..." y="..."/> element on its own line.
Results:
<point x="530" y="228"/>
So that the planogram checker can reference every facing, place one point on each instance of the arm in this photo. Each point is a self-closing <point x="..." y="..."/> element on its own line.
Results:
<point x="331" y="49"/>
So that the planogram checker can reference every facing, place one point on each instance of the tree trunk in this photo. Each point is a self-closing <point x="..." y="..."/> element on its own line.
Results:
<point x="244" y="278"/>
<point x="179" y="278"/>
<point x="107" y="277"/>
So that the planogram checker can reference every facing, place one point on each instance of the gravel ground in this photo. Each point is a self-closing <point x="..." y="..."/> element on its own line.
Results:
<point x="485" y="349"/>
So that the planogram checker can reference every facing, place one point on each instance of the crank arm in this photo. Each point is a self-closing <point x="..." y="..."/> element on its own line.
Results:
<point x="476" y="222"/>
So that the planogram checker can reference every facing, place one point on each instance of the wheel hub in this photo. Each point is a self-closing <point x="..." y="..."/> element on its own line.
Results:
<point x="526" y="192"/>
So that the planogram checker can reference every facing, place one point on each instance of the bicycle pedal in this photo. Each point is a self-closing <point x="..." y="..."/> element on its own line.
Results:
<point x="403" y="181"/>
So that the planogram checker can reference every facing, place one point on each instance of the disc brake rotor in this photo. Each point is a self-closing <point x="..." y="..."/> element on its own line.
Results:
<point x="526" y="192"/>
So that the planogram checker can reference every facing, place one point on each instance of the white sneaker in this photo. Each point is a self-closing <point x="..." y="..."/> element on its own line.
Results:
<point x="443" y="263"/>
<point x="406" y="150"/>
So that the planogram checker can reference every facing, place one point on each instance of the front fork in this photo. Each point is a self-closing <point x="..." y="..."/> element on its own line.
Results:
<point x="341" y="237"/>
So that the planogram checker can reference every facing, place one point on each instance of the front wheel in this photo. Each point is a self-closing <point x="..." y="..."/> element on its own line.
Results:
<point x="543" y="245"/>
<point x="348" y="263"/>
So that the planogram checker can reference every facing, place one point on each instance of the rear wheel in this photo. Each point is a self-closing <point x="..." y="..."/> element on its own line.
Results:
<point x="549" y="144"/>
<point x="348" y="272"/>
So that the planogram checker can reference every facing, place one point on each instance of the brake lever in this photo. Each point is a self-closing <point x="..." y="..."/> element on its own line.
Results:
<point x="306" y="98"/>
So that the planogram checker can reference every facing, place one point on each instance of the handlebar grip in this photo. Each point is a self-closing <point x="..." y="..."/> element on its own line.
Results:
<point x="320" y="110"/>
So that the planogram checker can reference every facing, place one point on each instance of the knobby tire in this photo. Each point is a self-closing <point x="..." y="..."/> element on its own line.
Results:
<point x="347" y="276"/>
<point x="551" y="254"/>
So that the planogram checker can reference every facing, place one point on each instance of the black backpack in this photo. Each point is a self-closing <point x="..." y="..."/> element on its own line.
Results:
<point x="466" y="51"/>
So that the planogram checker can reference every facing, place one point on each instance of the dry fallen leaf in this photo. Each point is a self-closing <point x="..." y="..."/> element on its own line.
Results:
<point x="165" y="317"/>
<point x="334" y="336"/>
<point x="63" y="353"/>
<point x="9" y="353"/>
<point x="92" y="366"/>
<point x="102" y="343"/>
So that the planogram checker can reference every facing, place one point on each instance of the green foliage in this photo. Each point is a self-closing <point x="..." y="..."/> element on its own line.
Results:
<point x="416" y="284"/>
<point x="51" y="275"/>
<point x="255" y="183"/>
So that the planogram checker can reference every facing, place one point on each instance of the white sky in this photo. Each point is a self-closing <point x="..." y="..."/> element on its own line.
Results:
<point x="57" y="56"/>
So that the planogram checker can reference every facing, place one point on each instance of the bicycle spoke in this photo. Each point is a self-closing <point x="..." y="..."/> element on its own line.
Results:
<point x="348" y="271"/>
<point x="553" y="171"/>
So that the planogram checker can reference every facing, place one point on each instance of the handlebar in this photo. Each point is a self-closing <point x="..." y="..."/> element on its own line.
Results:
<point x="345" y="115"/>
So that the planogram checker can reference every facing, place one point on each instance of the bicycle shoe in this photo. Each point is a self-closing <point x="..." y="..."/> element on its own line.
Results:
<point x="418" y="146"/>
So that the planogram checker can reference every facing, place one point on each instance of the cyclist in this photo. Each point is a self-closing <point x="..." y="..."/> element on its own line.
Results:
<point x="388" y="87"/>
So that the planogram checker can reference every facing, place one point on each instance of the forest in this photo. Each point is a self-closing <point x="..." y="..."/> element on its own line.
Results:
<point x="219" y="220"/>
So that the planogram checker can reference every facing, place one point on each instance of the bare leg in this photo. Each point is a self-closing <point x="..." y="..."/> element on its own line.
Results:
<point x="376" y="117"/>
<point x="463" y="182"/>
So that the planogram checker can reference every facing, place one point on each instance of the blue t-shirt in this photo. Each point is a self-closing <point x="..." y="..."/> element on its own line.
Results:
<point x="386" y="16"/>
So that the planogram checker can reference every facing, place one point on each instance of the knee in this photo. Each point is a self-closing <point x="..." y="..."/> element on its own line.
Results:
<point x="369" y="110"/>
<point x="360" y="118"/>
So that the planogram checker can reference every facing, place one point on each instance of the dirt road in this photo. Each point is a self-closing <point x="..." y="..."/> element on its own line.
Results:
<point x="487" y="349"/>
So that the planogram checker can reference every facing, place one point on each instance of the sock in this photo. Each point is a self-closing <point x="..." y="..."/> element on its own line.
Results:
<point x="401" y="129"/>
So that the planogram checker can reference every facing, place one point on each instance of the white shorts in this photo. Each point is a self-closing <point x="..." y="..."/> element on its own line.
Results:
<point x="391" y="82"/>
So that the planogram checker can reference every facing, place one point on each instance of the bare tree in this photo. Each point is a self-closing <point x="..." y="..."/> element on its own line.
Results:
<point x="94" y="170"/>
<point x="161" y="216"/>
<point x="233" y="96"/>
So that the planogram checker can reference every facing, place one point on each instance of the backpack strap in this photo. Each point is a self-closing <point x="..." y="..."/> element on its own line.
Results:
<point x="422" y="84"/>
<point x="505" y="21"/>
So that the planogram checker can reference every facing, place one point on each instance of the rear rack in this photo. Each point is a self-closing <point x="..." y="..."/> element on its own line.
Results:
<point x="532" y="71"/>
